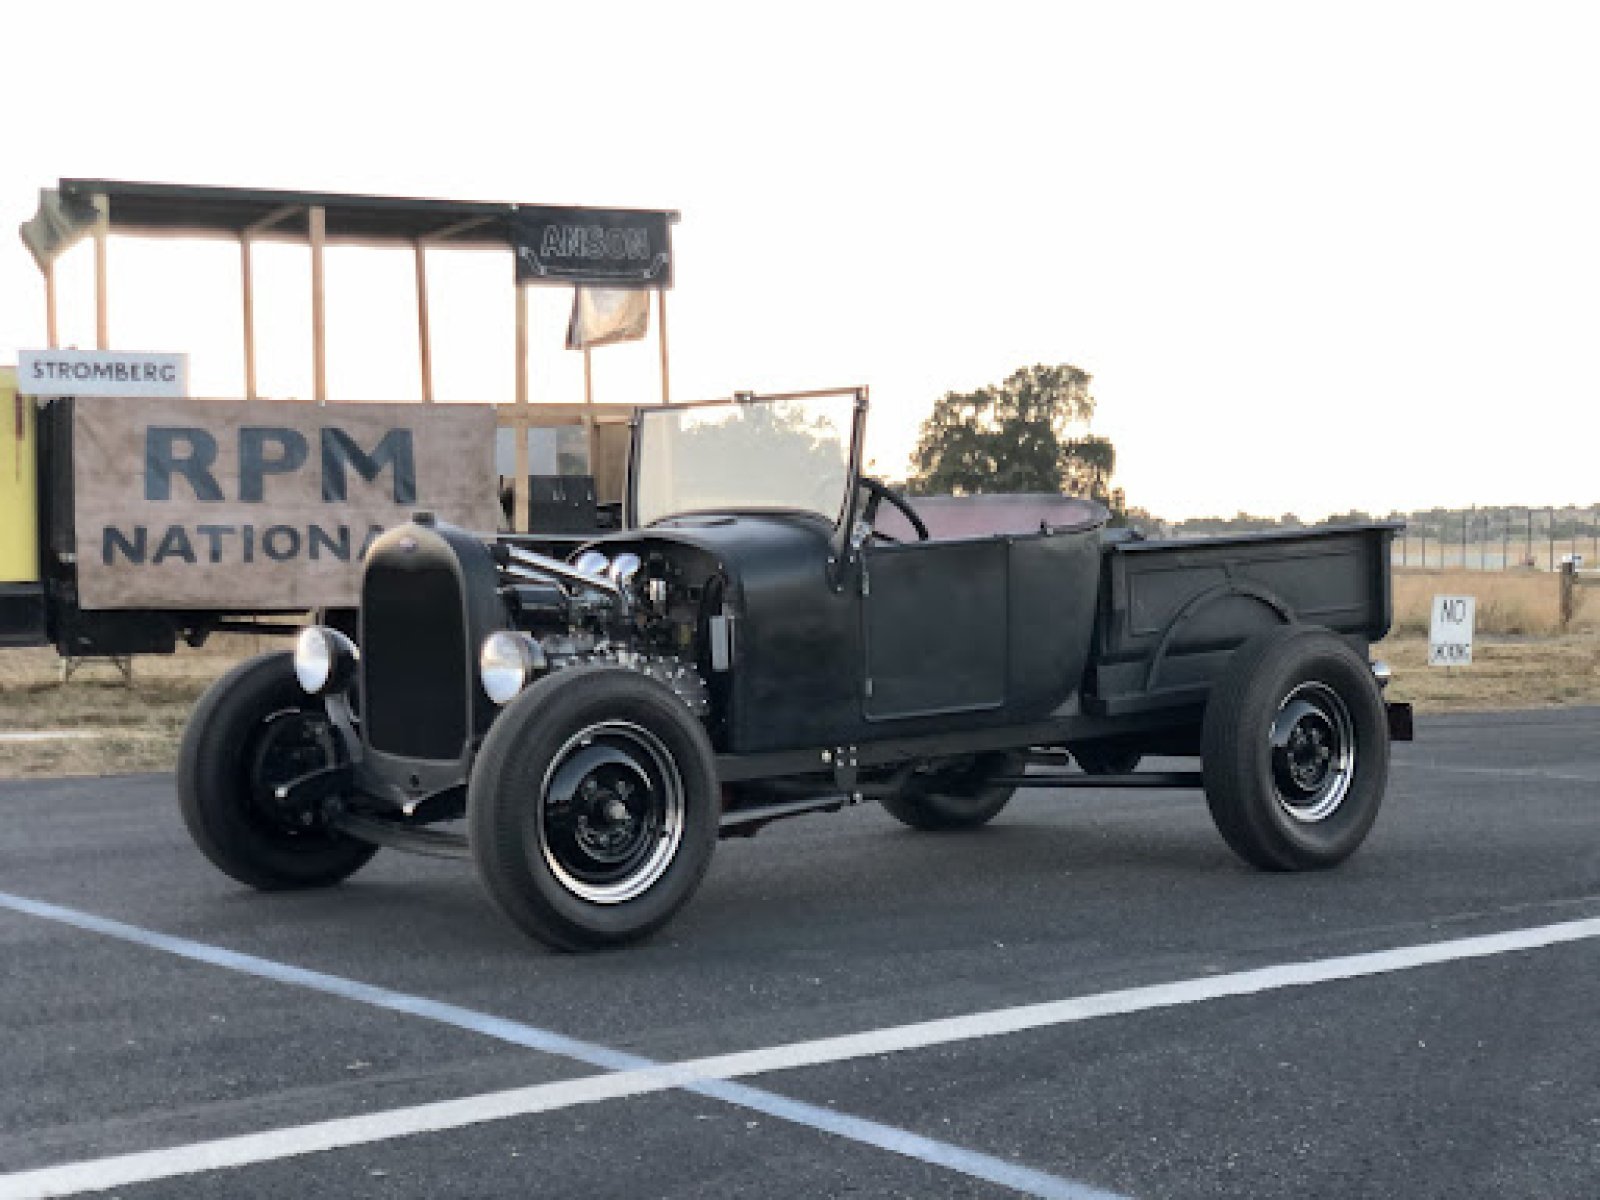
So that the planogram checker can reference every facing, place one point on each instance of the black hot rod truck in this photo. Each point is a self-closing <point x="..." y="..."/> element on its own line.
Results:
<point x="774" y="633"/>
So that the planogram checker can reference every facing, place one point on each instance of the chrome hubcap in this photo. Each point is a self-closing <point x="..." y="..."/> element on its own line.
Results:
<point x="611" y="813"/>
<point x="1313" y="752"/>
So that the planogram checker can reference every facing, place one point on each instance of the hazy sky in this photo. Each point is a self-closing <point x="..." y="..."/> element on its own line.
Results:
<point x="1316" y="256"/>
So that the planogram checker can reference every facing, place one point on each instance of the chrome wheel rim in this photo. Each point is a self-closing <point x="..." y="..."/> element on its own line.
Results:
<point x="1313" y="751"/>
<point x="610" y="815"/>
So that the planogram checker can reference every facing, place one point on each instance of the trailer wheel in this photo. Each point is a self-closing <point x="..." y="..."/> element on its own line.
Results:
<point x="593" y="808"/>
<point x="1295" y="750"/>
<point x="956" y="797"/>
<point x="252" y="730"/>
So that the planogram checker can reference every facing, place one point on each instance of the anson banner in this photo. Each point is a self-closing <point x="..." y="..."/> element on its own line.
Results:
<point x="262" y="504"/>
<point x="597" y="246"/>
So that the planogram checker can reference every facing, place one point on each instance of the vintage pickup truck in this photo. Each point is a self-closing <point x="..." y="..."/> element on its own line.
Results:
<point x="774" y="633"/>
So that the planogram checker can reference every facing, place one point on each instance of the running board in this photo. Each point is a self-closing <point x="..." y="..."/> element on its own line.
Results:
<point x="418" y="839"/>
<point x="1134" y="779"/>
<point x="742" y="820"/>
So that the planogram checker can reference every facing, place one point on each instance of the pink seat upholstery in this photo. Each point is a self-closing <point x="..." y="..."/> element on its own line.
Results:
<point x="952" y="517"/>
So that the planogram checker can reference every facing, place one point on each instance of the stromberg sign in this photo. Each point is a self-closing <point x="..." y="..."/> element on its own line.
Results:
<point x="101" y="373"/>
<point x="595" y="246"/>
<point x="219" y="504"/>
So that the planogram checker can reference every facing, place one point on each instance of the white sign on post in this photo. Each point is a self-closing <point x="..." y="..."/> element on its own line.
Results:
<point x="1450" y="640"/>
<point x="101" y="373"/>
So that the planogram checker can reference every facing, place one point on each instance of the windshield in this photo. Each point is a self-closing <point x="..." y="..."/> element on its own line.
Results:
<point x="756" y="454"/>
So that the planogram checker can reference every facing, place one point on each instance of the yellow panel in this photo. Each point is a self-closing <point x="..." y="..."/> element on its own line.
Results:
<point x="19" y="496"/>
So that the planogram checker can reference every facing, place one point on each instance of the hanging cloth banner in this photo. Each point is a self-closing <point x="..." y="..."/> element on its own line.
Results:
<point x="600" y="246"/>
<point x="56" y="225"/>
<point x="601" y="316"/>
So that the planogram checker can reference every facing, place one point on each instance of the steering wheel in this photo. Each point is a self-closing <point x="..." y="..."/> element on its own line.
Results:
<point x="878" y="491"/>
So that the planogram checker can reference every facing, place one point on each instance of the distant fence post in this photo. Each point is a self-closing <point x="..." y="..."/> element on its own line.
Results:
<point x="1569" y="577"/>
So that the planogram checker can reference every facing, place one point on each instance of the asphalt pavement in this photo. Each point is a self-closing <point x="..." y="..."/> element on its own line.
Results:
<point x="1091" y="997"/>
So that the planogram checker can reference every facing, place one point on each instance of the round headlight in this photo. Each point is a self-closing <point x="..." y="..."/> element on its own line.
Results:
<point x="324" y="659"/>
<point x="507" y="663"/>
<point x="592" y="562"/>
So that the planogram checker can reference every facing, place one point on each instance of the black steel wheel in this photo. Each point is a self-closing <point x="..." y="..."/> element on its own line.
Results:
<point x="253" y="730"/>
<point x="956" y="796"/>
<point x="1295" y="750"/>
<point x="593" y="808"/>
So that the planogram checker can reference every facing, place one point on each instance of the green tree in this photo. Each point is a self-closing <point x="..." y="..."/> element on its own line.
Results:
<point x="1017" y="436"/>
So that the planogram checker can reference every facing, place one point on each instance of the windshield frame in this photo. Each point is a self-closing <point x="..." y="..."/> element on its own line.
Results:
<point x="841" y="521"/>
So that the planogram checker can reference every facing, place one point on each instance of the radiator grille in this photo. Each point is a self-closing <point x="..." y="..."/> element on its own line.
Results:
<point x="414" y="660"/>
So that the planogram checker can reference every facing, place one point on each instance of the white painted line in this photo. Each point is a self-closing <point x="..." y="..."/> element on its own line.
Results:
<point x="631" y="1075"/>
<point x="1135" y="1000"/>
<point x="1523" y="773"/>
<point x="130" y="1169"/>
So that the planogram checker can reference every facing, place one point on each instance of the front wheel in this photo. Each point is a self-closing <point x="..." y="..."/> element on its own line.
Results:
<point x="1295" y="746"/>
<point x="253" y="730"/>
<point x="593" y="808"/>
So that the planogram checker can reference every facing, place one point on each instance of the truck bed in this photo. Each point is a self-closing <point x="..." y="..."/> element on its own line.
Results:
<point x="1170" y="612"/>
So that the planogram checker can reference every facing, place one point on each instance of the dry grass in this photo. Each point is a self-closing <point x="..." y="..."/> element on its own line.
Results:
<point x="1506" y="672"/>
<point x="137" y="727"/>
<point x="1509" y="602"/>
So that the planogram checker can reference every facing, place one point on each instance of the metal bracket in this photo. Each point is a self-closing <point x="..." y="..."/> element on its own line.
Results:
<point x="314" y="787"/>
<point x="846" y="761"/>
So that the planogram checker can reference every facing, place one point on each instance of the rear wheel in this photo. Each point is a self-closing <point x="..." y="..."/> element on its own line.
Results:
<point x="958" y="796"/>
<point x="252" y="731"/>
<point x="1295" y="750"/>
<point x="593" y="808"/>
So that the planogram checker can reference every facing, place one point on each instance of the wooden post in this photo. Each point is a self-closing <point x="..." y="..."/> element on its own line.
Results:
<point x="520" y="519"/>
<point x="661" y="341"/>
<point x="102" y="235"/>
<point x="589" y="425"/>
<point x="1569" y="575"/>
<point x="247" y="280"/>
<point x="424" y="342"/>
<point x="53" y="338"/>
<point x="317" y="221"/>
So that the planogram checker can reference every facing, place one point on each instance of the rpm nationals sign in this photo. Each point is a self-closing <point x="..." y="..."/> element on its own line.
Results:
<point x="221" y="504"/>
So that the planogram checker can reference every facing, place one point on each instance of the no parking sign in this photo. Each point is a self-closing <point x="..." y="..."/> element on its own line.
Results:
<point x="1450" y="640"/>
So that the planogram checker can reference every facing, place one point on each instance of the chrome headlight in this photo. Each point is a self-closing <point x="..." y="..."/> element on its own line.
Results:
<point x="507" y="663"/>
<point x="592" y="562"/>
<point x="624" y="567"/>
<point x="324" y="660"/>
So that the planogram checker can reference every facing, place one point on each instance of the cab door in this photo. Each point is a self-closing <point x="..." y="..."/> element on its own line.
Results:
<point x="934" y="627"/>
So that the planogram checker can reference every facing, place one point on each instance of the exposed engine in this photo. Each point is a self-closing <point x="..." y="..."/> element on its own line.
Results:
<point x="640" y="611"/>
